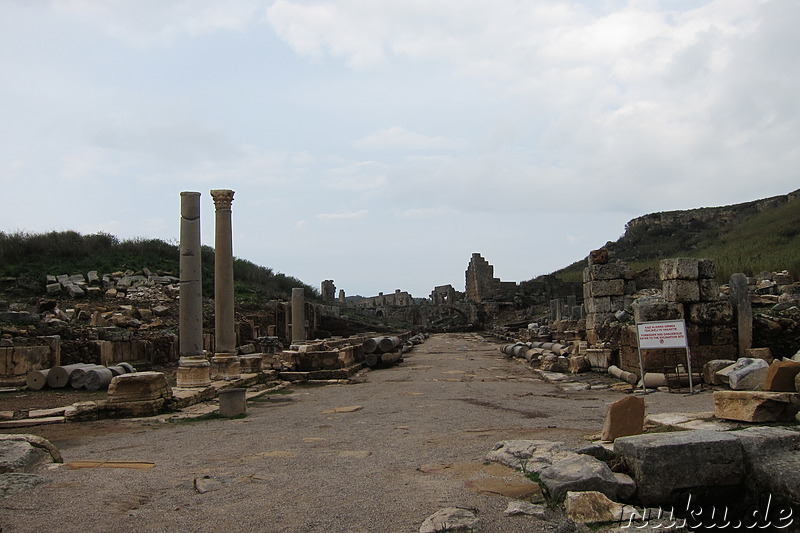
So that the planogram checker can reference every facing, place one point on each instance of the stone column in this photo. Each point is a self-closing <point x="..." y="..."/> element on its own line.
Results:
<point x="224" y="364"/>
<point x="298" y="315"/>
<point x="744" y="312"/>
<point x="193" y="367"/>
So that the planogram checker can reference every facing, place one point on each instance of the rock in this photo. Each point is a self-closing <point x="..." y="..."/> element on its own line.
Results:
<point x="626" y="486"/>
<point x="516" y="489"/>
<point x="598" y="257"/>
<point x="756" y="406"/>
<point x="686" y="268"/>
<point x="681" y="290"/>
<point x="748" y="374"/>
<point x="760" y="353"/>
<point x="161" y="310"/>
<point x="781" y="376"/>
<point x="772" y="461"/>
<point x="518" y="507"/>
<point x="666" y="465"/>
<point x="528" y="455"/>
<point x="711" y="313"/>
<point x="93" y="278"/>
<point x="711" y="368"/>
<point x="246" y="349"/>
<point x="578" y="473"/>
<point x="579" y="364"/>
<point x="14" y="482"/>
<point x="653" y="309"/>
<point x="73" y="291"/>
<point x="625" y="417"/>
<point x="591" y="507"/>
<point x="36" y="441"/>
<point x="122" y="321"/>
<point x="53" y="288"/>
<point x="598" y="451"/>
<point x="449" y="519"/>
<point x="21" y="456"/>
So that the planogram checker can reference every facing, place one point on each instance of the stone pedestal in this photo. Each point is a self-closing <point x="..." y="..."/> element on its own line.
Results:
<point x="225" y="364"/>
<point x="193" y="368"/>
<point x="250" y="364"/>
<point x="225" y="367"/>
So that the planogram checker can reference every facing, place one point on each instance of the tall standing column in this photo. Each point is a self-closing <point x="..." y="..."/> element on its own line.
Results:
<point x="224" y="364"/>
<point x="298" y="315"/>
<point x="193" y="367"/>
<point x="744" y="313"/>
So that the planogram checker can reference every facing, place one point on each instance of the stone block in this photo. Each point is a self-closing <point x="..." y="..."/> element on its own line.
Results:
<point x="604" y="304"/>
<point x="599" y="359"/>
<point x="711" y="313"/>
<point x="578" y="472"/>
<point x="702" y="354"/>
<point x="772" y="461"/>
<point x="666" y="466"/>
<point x="684" y="268"/>
<point x="608" y="271"/>
<point x="591" y="507"/>
<point x="711" y="368"/>
<point x="141" y="386"/>
<point x="756" y="406"/>
<point x="681" y="290"/>
<point x="759" y="353"/>
<point x="653" y="309"/>
<point x="748" y="374"/>
<point x="53" y="288"/>
<point x="613" y="287"/>
<point x="706" y="269"/>
<point x="250" y="364"/>
<point x="625" y="417"/>
<point x="722" y="335"/>
<point x="781" y="376"/>
<point x="579" y="364"/>
<point x="598" y="257"/>
<point x="709" y="290"/>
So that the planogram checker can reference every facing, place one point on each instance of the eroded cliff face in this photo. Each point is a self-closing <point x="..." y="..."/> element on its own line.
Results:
<point x="682" y="230"/>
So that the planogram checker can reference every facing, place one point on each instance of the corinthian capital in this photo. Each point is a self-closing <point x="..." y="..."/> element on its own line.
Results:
<point x="222" y="198"/>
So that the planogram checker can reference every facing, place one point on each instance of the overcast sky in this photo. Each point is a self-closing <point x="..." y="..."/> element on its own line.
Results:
<point x="380" y="143"/>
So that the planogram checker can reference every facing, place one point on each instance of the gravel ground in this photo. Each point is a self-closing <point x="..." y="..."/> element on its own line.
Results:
<point x="295" y="464"/>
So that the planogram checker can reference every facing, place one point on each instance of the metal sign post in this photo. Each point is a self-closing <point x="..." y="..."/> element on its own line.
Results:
<point x="662" y="334"/>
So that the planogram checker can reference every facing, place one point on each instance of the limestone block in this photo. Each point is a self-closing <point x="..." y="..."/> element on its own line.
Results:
<point x="578" y="472"/>
<point x="608" y="271"/>
<point x="711" y="368"/>
<point x="579" y="364"/>
<point x="772" y="461"/>
<point x="53" y="288"/>
<point x="624" y="417"/>
<point x="685" y="268"/>
<point x="664" y="465"/>
<point x="652" y="309"/>
<point x="604" y="304"/>
<point x="136" y="408"/>
<point x="599" y="359"/>
<point x="709" y="290"/>
<point x="721" y="335"/>
<point x="681" y="290"/>
<point x="247" y="349"/>
<point x="748" y="374"/>
<point x="701" y="354"/>
<point x="598" y="257"/>
<point x="613" y="287"/>
<point x="756" y="406"/>
<point x="781" y="376"/>
<point x="73" y="291"/>
<point x="140" y="386"/>
<point x="759" y="353"/>
<point x="706" y="269"/>
<point x="250" y="364"/>
<point x="711" y="313"/>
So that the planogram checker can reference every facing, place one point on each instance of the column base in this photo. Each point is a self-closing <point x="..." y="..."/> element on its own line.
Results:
<point x="193" y="372"/>
<point x="250" y="364"/>
<point x="225" y="366"/>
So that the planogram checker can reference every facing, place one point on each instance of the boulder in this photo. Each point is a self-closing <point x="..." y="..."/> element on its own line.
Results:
<point x="665" y="466"/>
<point x="781" y="376"/>
<point x="711" y="368"/>
<point x="756" y="406"/>
<point x="760" y="353"/>
<point x="748" y="374"/>
<point x="21" y="456"/>
<point x="591" y="507"/>
<point x="624" y="417"/>
<point x="578" y="472"/>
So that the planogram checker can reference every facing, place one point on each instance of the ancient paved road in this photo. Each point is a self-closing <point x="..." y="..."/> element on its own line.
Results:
<point x="294" y="465"/>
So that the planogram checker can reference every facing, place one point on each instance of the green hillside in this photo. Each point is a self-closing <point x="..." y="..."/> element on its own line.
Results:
<point x="757" y="236"/>
<point x="31" y="257"/>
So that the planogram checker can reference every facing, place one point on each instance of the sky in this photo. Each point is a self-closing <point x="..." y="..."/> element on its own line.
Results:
<point x="379" y="143"/>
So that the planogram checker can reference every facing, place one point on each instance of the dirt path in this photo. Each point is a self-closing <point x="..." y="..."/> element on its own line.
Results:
<point x="411" y="440"/>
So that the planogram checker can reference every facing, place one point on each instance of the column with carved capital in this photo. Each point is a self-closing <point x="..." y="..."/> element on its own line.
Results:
<point x="224" y="364"/>
<point x="193" y="367"/>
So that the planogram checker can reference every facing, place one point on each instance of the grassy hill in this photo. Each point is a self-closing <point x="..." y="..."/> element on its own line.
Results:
<point x="30" y="257"/>
<point x="757" y="236"/>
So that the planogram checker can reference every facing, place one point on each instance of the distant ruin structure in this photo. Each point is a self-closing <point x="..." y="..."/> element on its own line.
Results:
<point x="193" y="367"/>
<point x="225" y="363"/>
<point x="298" y="315"/>
<point x="481" y="284"/>
<point x="328" y="291"/>
<point x="443" y="295"/>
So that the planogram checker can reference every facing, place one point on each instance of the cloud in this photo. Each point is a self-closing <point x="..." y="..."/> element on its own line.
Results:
<point x="342" y="216"/>
<point x="154" y="23"/>
<point x="399" y="138"/>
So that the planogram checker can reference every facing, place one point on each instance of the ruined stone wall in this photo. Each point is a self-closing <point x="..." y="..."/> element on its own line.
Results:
<point x="328" y="291"/>
<point x="480" y="281"/>
<point x="605" y="287"/>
